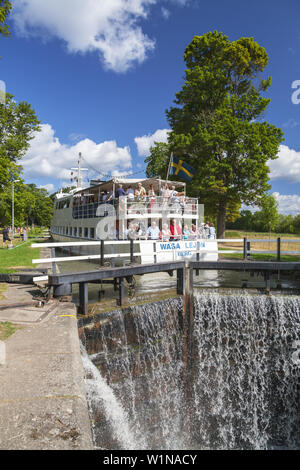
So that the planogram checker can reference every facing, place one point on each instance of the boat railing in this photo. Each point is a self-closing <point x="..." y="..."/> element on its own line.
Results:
<point x="158" y="204"/>
<point x="197" y="247"/>
<point x="138" y="206"/>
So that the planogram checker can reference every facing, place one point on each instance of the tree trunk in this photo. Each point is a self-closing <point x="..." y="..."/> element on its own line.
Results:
<point x="221" y="219"/>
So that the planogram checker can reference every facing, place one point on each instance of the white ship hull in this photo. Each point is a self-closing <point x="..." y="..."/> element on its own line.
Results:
<point x="82" y="216"/>
<point x="147" y="251"/>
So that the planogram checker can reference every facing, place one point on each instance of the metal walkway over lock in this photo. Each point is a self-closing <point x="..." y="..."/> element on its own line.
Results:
<point x="62" y="283"/>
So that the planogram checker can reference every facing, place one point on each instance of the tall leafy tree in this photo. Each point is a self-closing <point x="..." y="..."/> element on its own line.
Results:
<point x="268" y="215"/>
<point x="5" y="9"/>
<point x="157" y="161"/>
<point x="32" y="205"/>
<point x="18" y="122"/>
<point x="216" y="127"/>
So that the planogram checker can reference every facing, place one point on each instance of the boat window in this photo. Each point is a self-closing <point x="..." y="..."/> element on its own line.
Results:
<point x="63" y="204"/>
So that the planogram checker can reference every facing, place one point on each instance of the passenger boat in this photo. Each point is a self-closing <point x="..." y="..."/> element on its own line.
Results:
<point x="95" y="213"/>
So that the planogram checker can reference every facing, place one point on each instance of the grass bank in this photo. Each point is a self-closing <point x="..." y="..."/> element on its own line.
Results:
<point x="19" y="257"/>
<point x="264" y="244"/>
<point x="260" y="257"/>
<point x="7" y="329"/>
<point x="260" y="235"/>
<point x="3" y="288"/>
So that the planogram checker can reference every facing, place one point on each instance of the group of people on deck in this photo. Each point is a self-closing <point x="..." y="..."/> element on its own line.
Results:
<point x="174" y="231"/>
<point x="169" y="195"/>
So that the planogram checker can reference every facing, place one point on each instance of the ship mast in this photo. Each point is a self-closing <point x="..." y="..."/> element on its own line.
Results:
<point x="79" y="170"/>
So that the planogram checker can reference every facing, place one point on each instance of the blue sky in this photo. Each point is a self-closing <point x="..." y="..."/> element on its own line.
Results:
<point x="101" y="73"/>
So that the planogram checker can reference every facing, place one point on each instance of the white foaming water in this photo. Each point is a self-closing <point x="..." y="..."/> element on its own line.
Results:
<point x="242" y="389"/>
<point x="100" y="395"/>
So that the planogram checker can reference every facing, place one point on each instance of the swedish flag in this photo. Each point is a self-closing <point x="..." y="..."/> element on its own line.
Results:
<point x="181" y="169"/>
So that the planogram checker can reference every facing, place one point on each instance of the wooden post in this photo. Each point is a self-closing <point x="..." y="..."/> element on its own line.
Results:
<point x="83" y="298"/>
<point x="131" y="251"/>
<point x="245" y="249"/>
<point x="267" y="281"/>
<point x="53" y="264"/>
<point x="279" y="285"/>
<point x="248" y="250"/>
<point x="278" y="248"/>
<point x="122" y="292"/>
<point x="154" y="251"/>
<point x="62" y="290"/>
<point x="181" y="281"/>
<point x="102" y="253"/>
<point x="198" y="256"/>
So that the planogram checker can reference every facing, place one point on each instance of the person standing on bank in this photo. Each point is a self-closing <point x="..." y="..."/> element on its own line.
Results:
<point x="212" y="231"/>
<point x="6" y="238"/>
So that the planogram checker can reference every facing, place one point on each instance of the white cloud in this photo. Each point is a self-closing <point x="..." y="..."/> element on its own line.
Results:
<point x="76" y="137"/>
<point x="48" y="157"/>
<point x="288" y="204"/>
<point x="109" y="27"/>
<point x="144" y="143"/>
<point x="287" y="166"/>
<point x="165" y="12"/>
<point x="291" y="123"/>
<point x="48" y="187"/>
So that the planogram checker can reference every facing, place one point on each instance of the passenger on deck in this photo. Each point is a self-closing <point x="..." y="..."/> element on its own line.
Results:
<point x="111" y="196"/>
<point x="174" y="195"/>
<point x="165" y="192"/>
<point x="193" y="232"/>
<point x="174" y="199"/>
<point x="151" y="195"/>
<point x="140" y="192"/>
<point x="120" y="191"/>
<point x="212" y="231"/>
<point x="182" y="202"/>
<point x="165" y="234"/>
<point x="201" y="231"/>
<point x="186" y="233"/>
<point x="130" y="193"/>
<point x="153" y="232"/>
<point x="175" y="229"/>
<point x="104" y="196"/>
<point x="131" y="232"/>
<point x="206" y="230"/>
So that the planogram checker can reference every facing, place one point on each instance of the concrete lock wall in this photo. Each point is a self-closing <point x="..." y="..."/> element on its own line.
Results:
<point x="43" y="402"/>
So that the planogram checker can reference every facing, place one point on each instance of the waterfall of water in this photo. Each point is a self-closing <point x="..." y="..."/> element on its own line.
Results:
<point x="246" y="383"/>
<point x="100" y="395"/>
<point x="242" y="390"/>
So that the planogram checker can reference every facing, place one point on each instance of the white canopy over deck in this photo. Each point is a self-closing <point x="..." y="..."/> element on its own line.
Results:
<point x="133" y="182"/>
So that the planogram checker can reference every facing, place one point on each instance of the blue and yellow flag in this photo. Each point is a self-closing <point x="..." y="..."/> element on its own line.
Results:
<point x="181" y="169"/>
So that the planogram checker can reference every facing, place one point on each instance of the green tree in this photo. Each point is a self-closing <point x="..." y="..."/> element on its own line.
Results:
<point x="268" y="216"/>
<point x="5" y="9"/>
<point x="158" y="160"/>
<point x="215" y="126"/>
<point x="296" y="223"/>
<point x="18" y="122"/>
<point x="32" y="205"/>
<point x="243" y="222"/>
<point x="286" y="224"/>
